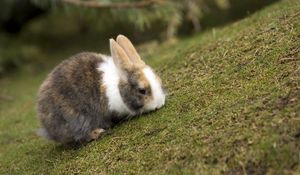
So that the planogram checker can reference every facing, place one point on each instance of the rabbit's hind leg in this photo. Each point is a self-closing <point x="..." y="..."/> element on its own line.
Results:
<point x="96" y="134"/>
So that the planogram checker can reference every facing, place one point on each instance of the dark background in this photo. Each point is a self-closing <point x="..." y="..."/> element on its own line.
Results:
<point x="36" y="33"/>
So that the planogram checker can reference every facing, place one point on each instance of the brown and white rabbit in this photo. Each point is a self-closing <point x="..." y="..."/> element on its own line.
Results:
<point x="88" y="93"/>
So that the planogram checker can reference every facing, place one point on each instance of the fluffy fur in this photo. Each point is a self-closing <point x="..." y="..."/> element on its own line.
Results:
<point x="111" y="78"/>
<point x="158" y="95"/>
<point x="89" y="93"/>
<point x="70" y="104"/>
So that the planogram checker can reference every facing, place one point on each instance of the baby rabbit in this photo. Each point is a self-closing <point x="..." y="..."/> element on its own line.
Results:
<point x="89" y="93"/>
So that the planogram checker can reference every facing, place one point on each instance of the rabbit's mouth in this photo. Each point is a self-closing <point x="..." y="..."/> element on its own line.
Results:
<point x="140" y="111"/>
<point x="147" y="109"/>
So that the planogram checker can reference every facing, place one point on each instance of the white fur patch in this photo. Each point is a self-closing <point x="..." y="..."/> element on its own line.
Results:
<point x="110" y="79"/>
<point x="157" y="91"/>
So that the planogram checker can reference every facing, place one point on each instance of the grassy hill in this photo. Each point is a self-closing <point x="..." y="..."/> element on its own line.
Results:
<point x="233" y="107"/>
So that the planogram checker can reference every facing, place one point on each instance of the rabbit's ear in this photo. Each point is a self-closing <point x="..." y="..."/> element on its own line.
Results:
<point x="128" y="47"/>
<point x="119" y="56"/>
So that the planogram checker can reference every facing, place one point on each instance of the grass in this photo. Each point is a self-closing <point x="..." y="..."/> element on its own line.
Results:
<point x="233" y="108"/>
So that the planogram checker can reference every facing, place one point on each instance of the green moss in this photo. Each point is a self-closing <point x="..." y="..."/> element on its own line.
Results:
<point x="233" y="108"/>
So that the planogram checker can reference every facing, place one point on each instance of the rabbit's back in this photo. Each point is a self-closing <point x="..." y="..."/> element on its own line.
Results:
<point x="70" y="101"/>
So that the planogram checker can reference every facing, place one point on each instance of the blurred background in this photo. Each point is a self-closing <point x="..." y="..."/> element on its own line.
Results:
<point x="37" y="33"/>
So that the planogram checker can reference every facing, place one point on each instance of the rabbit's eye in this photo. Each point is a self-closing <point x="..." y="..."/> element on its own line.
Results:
<point x="142" y="91"/>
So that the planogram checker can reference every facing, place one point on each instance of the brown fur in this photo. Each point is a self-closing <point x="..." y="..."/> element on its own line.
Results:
<point x="71" y="102"/>
<point x="143" y="80"/>
<point x="129" y="89"/>
<point x="146" y="85"/>
<point x="103" y="89"/>
<point x="127" y="59"/>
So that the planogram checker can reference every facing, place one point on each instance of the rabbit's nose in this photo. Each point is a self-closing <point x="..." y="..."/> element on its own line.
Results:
<point x="137" y="105"/>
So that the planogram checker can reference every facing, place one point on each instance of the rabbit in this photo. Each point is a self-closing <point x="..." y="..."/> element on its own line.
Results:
<point x="89" y="93"/>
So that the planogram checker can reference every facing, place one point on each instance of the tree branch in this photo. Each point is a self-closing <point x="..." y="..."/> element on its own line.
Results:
<point x="95" y="4"/>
